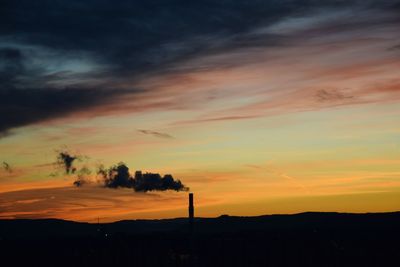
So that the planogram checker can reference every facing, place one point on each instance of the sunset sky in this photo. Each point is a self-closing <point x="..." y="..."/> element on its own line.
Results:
<point x="260" y="107"/>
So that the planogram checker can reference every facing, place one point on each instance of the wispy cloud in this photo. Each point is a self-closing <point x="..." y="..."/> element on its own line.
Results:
<point x="274" y="170"/>
<point x="156" y="134"/>
<point x="87" y="203"/>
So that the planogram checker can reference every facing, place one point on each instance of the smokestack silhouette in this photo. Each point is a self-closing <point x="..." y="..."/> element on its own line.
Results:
<point x="191" y="208"/>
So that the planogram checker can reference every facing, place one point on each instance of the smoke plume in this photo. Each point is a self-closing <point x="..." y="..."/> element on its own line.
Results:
<point x="118" y="176"/>
<point x="7" y="167"/>
<point x="66" y="160"/>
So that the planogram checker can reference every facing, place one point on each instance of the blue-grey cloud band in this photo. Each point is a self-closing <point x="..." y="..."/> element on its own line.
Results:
<point x="59" y="58"/>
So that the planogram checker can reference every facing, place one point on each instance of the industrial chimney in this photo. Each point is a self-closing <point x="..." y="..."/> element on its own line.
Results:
<point x="191" y="208"/>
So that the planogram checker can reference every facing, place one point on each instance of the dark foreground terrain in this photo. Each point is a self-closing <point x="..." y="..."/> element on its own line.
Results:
<point x="307" y="239"/>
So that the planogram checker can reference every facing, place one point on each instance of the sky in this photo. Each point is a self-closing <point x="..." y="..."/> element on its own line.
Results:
<point x="259" y="107"/>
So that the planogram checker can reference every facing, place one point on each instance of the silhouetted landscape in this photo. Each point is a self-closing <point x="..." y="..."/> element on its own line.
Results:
<point x="305" y="239"/>
<point x="128" y="109"/>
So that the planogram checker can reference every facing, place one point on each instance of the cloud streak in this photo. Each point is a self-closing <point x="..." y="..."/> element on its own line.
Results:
<point x="156" y="134"/>
<point x="87" y="204"/>
<point x="324" y="95"/>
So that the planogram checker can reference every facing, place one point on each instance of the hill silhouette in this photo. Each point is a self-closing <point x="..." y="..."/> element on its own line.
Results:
<point x="305" y="239"/>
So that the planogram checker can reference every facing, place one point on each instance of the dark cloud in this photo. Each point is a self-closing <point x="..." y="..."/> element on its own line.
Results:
<point x="48" y="46"/>
<point x="156" y="134"/>
<point x="11" y="65"/>
<point x="118" y="176"/>
<point x="19" y="107"/>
